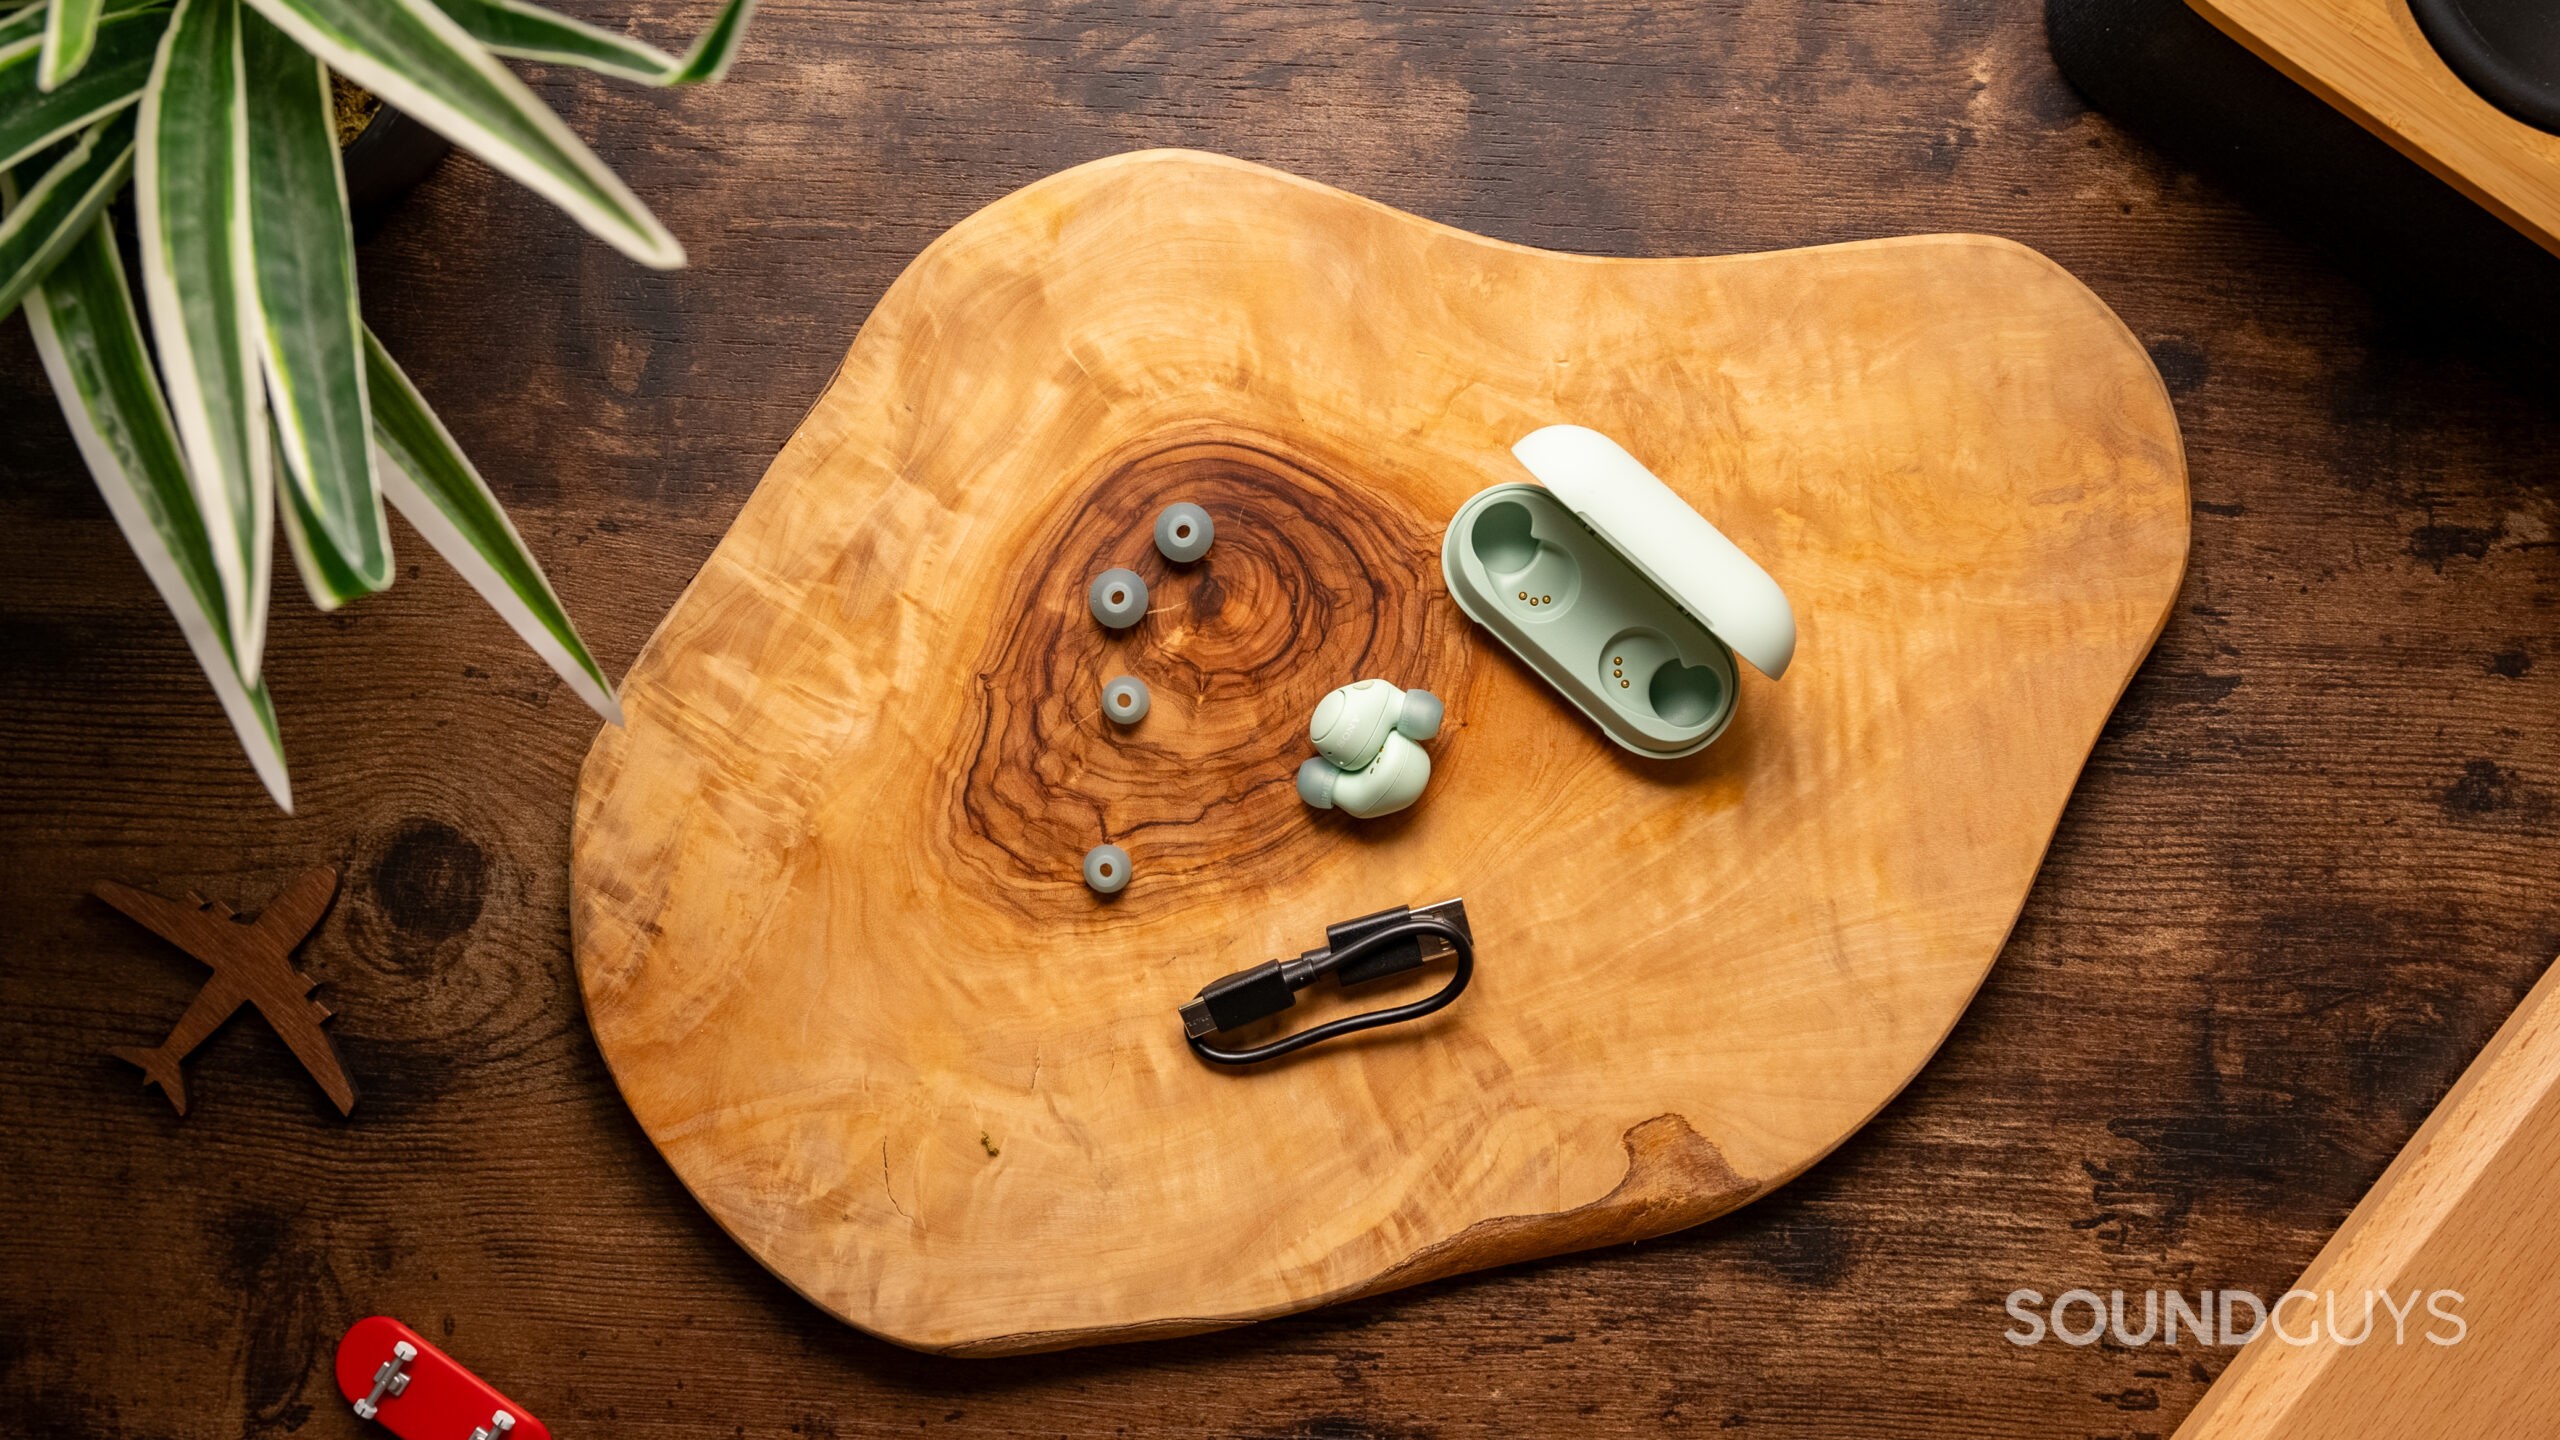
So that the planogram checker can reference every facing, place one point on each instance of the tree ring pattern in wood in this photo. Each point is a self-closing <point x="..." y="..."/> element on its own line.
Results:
<point x="1316" y="580"/>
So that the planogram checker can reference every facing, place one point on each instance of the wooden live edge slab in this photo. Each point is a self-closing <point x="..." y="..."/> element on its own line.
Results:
<point x="2472" y="1205"/>
<point x="828" y="915"/>
<point x="2369" y="59"/>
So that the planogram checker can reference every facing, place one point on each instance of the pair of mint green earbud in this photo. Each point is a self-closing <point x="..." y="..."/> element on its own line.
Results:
<point x="1367" y="762"/>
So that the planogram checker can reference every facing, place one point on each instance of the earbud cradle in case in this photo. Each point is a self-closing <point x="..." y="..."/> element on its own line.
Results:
<point x="1617" y="592"/>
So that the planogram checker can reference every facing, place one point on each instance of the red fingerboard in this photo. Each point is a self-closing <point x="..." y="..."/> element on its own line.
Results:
<point x="442" y="1401"/>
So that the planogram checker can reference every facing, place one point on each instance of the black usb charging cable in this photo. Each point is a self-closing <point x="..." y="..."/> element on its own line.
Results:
<point x="1355" y="952"/>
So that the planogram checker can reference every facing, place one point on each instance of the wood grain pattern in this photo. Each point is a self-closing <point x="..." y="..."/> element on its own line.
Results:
<point x="2313" y="861"/>
<point x="828" y="916"/>
<point x="2472" y="1207"/>
<point x="2370" y="59"/>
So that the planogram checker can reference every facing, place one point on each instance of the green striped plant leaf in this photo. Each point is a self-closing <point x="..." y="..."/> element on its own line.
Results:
<point x="70" y="32"/>
<point x="18" y="24"/>
<point x="277" y="400"/>
<point x="417" y="59"/>
<point x="432" y="483"/>
<point x="529" y="32"/>
<point x="325" y="576"/>
<point x="305" y="314"/>
<point x="190" y="175"/>
<point x="56" y="210"/>
<point x="32" y="117"/>
<point x="85" y="331"/>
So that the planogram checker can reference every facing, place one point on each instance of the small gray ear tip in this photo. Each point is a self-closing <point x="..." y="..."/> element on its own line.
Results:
<point x="1183" y="532"/>
<point x="1315" y="782"/>
<point x="1421" y="717"/>
<point x="1106" y="869"/>
<point x="1118" y="598"/>
<point x="1125" y="700"/>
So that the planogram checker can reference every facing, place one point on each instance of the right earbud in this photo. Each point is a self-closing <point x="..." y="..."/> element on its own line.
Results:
<point x="1367" y="763"/>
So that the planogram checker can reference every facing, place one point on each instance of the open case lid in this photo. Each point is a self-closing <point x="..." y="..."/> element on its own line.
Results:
<point x="1703" y="572"/>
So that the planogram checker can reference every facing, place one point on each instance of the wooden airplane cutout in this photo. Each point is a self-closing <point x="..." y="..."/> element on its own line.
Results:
<point x="252" y="964"/>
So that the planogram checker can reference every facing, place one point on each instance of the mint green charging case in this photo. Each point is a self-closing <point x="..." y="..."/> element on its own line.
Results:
<point x="1616" y="592"/>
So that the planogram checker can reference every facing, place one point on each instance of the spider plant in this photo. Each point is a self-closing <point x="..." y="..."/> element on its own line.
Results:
<point x="271" y="400"/>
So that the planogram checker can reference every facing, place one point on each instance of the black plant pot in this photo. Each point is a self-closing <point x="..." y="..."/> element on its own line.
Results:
<point x="385" y="162"/>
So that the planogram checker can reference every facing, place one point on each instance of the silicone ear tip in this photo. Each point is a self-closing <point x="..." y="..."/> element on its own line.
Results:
<point x="1106" y="869"/>
<point x="1420" y="719"/>
<point x="1118" y="598"/>
<point x="1315" y="782"/>
<point x="1125" y="700"/>
<point x="1183" y="532"/>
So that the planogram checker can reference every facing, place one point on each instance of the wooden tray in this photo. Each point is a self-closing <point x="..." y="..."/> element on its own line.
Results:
<point x="2466" y="1224"/>
<point x="2369" y="59"/>
<point x="828" y="915"/>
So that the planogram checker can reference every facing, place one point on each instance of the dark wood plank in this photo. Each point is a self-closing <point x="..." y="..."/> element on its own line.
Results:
<point x="2310" y="867"/>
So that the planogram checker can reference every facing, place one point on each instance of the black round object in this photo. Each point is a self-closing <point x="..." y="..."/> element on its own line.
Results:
<point x="2507" y="50"/>
<point x="2163" y="72"/>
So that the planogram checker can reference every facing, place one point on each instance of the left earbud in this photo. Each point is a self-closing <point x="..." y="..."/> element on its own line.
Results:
<point x="1382" y="787"/>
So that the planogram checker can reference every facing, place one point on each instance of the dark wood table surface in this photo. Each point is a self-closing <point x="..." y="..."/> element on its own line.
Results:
<point x="2309" y="869"/>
